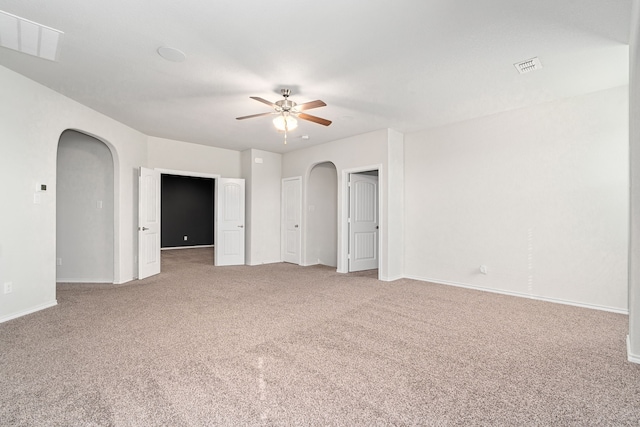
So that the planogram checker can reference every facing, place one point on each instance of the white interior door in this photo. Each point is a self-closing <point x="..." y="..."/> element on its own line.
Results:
<point x="291" y="213"/>
<point x="229" y="222"/>
<point x="363" y="222"/>
<point x="148" y="223"/>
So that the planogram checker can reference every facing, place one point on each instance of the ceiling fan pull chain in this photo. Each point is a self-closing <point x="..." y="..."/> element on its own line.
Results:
<point x="286" y="128"/>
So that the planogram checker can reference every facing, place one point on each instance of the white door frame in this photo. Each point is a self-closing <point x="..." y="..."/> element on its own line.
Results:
<point x="343" y="232"/>
<point x="186" y="173"/>
<point x="182" y="173"/>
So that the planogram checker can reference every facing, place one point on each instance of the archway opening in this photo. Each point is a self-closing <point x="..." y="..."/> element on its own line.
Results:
<point x="84" y="210"/>
<point x="322" y="215"/>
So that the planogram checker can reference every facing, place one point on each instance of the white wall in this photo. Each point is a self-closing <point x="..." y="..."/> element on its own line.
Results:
<point x="393" y="222"/>
<point x="322" y="216"/>
<point x="358" y="153"/>
<point x="187" y="157"/>
<point x="634" y="139"/>
<point x="538" y="195"/>
<point x="84" y="214"/>
<point x="32" y="118"/>
<point x="261" y="170"/>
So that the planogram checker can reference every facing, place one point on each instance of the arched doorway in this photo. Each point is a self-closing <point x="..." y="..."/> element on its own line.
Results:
<point x="322" y="215"/>
<point x="84" y="210"/>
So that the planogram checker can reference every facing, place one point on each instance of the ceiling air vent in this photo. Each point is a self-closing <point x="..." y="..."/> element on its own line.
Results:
<point x="28" y="37"/>
<point x="528" y="65"/>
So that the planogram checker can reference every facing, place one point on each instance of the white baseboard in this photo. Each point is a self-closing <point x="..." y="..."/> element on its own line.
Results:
<point x="186" y="247"/>
<point x="633" y="358"/>
<point x="102" y="281"/>
<point x="264" y="262"/>
<point x="390" y="279"/>
<point x="28" y="311"/>
<point x="522" y="295"/>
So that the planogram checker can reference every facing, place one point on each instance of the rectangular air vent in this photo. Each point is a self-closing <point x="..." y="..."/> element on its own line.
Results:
<point x="528" y="65"/>
<point x="28" y="37"/>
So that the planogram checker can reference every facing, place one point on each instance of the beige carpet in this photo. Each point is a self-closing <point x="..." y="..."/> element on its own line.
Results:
<point x="286" y="345"/>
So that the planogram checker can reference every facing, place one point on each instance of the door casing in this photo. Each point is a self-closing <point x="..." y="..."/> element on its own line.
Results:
<point x="181" y="173"/>
<point x="343" y="231"/>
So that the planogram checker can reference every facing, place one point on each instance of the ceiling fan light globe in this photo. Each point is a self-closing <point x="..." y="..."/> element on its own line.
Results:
<point x="283" y="123"/>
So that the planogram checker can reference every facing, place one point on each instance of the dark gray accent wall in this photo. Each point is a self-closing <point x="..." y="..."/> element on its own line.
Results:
<point x="187" y="210"/>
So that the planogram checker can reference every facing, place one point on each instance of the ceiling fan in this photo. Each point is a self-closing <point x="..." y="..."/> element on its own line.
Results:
<point x="287" y="111"/>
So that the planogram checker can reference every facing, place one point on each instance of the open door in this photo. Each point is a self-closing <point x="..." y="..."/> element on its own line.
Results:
<point x="291" y="213"/>
<point x="229" y="222"/>
<point x="148" y="223"/>
<point x="363" y="222"/>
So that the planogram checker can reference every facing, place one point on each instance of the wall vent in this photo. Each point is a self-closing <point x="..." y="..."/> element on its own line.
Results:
<point x="528" y="65"/>
<point x="28" y="37"/>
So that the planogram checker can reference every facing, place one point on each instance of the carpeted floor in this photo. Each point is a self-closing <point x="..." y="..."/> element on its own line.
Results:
<point x="280" y="344"/>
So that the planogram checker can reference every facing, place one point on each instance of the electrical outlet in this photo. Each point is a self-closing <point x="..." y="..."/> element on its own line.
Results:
<point x="58" y="261"/>
<point x="185" y="238"/>
<point x="8" y="287"/>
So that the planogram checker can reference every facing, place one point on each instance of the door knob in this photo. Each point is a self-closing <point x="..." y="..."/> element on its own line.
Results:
<point x="296" y="226"/>
<point x="143" y="228"/>
<point x="241" y="226"/>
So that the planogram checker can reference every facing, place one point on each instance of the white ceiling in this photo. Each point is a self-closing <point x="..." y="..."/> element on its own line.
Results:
<point x="405" y="64"/>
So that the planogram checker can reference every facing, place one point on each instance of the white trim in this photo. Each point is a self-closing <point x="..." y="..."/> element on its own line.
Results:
<point x="213" y="176"/>
<point x="187" y="173"/>
<point x="633" y="358"/>
<point x="309" y="264"/>
<point x="390" y="279"/>
<point x="171" y="248"/>
<point x="29" y="311"/>
<point x="76" y="280"/>
<point x="125" y="281"/>
<point x="522" y="295"/>
<point x="266" y="262"/>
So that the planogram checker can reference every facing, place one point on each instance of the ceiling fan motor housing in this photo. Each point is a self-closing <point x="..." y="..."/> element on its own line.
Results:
<point x="285" y="105"/>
